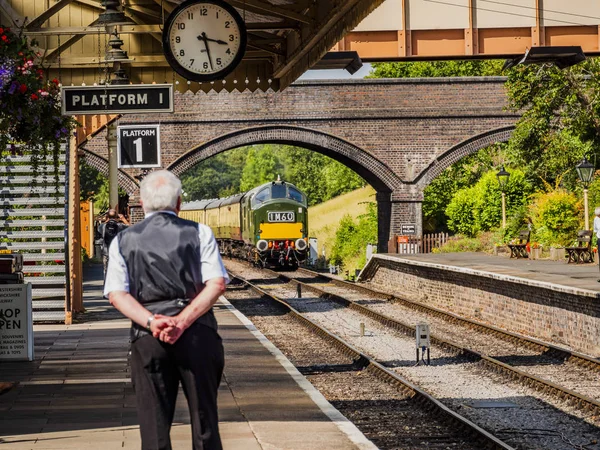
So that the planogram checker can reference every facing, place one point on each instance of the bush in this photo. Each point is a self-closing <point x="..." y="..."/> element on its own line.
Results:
<point x="479" y="208"/>
<point x="461" y="244"/>
<point x="351" y="239"/>
<point x="556" y="217"/>
<point x="461" y="212"/>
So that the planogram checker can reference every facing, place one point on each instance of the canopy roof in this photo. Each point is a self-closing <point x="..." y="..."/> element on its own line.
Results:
<point x="286" y="38"/>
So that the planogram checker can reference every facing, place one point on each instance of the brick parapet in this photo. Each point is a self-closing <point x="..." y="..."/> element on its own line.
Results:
<point x="560" y="314"/>
<point x="398" y="134"/>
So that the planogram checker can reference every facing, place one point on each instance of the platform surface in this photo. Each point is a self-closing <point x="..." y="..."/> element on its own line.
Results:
<point x="77" y="393"/>
<point x="581" y="279"/>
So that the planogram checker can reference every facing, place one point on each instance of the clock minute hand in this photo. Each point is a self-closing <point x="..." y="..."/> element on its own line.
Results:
<point x="203" y="38"/>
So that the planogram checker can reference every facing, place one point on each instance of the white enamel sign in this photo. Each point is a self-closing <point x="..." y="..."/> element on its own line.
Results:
<point x="16" y="322"/>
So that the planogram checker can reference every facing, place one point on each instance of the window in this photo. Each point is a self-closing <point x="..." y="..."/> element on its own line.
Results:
<point x="296" y="195"/>
<point x="278" y="191"/>
<point x="261" y="197"/>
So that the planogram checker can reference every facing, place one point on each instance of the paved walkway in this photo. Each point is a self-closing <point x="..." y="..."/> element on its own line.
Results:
<point x="559" y="273"/>
<point x="77" y="393"/>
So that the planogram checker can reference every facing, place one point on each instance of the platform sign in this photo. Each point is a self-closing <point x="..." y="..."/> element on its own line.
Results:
<point x="138" y="145"/>
<point x="16" y="322"/>
<point x="117" y="99"/>
<point x="409" y="228"/>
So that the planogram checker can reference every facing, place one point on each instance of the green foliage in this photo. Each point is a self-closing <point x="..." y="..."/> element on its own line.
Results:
<point x="30" y="112"/>
<point x="517" y="220"/>
<point x="461" y="244"/>
<point x="479" y="208"/>
<point x="242" y="169"/>
<point x="462" y="174"/>
<point x="560" y="122"/>
<point x="351" y="239"/>
<point x="555" y="217"/>
<point x="90" y="182"/>
<point x="426" y="69"/>
<point x="461" y="212"/>
<point x="262" y="165"/>
<point x="218" y="176"/>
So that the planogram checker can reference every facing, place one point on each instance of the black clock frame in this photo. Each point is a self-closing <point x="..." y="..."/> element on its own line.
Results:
<point x="200" y="77"/>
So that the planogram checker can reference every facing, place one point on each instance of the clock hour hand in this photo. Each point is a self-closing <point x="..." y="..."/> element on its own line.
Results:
<point x="218" y="41"/>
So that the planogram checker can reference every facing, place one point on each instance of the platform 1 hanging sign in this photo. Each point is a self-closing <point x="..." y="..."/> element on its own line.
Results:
<point x="117" y="99"/>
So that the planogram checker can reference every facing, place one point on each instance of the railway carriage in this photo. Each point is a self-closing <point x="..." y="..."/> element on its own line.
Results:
<point x="267" y="225"/>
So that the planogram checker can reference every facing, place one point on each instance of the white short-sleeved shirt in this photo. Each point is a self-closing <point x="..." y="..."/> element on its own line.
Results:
<point x="211" y="264"/>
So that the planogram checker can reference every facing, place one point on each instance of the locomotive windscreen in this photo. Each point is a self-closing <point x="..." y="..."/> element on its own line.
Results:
<point x="278" y="191"/>
<point x="295" y="195"/>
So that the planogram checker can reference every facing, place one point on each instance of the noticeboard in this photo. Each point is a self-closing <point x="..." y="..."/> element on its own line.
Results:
<point x="408" y="228"/>
<point x="16" y="322"/>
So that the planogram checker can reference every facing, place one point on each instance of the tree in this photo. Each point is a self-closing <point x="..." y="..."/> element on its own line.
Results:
<point x="427" y="69"/>
<point x="478" y="208"/>
<point x="560" y="121"/>
<point x="262" y="166"/>
<point x="218" y="176"/>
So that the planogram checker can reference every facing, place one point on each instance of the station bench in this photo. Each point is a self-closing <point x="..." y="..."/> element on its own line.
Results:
<point x="519" y="250"/>
<point x="582" y="251"/>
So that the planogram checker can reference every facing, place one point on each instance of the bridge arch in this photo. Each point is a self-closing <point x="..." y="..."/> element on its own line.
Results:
<point x="460" y="150"/>
<point x="95" y="161"/>
<point x="375" y="172"/>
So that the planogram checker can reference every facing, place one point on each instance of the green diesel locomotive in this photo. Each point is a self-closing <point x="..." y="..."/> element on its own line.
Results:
<point x="267" y="225"/>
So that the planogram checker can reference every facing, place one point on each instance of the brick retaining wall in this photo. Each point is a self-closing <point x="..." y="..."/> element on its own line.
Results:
<point x="549" y="312"/>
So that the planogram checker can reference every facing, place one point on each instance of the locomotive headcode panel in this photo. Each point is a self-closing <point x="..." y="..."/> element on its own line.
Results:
<point x="281" y="216"/>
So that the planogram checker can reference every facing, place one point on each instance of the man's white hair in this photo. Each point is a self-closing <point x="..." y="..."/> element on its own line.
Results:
<point x="597" y="211"/>
<point x="160" y="190"/>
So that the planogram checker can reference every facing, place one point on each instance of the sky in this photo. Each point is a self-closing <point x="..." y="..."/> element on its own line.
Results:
<point x="336" y="74"/>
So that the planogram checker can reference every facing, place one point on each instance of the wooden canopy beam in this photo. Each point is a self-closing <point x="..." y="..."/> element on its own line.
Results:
<point x="39" y="20"/>
<point x="270" y="10"/>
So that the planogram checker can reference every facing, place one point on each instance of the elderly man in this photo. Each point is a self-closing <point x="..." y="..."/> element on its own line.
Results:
<point x="165" y="273"/>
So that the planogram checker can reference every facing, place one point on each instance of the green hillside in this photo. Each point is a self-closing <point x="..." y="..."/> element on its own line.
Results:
<point x="323" y="219"/>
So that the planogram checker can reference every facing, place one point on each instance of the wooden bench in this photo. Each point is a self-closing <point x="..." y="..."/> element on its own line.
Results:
<point x="582" y="252"/>
<point x="519" y="250"/>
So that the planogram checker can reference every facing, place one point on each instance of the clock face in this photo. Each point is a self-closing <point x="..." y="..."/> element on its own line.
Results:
<point x="204" y="40"/>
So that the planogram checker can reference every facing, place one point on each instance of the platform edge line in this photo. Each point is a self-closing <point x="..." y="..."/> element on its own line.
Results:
<point x="345" y="426"/>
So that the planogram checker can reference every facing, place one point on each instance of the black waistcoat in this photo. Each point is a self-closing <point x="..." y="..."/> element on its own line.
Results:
<point x="162" y="255"/>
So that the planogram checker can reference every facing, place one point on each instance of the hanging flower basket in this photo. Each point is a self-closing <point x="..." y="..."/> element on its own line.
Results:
<point x="30" y="113"/>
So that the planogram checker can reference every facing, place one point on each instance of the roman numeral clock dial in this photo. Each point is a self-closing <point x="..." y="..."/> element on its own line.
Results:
<point x="204" y="40"/>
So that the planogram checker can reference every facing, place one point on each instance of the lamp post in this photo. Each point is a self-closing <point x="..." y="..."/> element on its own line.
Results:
<point x="585" y="172"/>
<point x="502" y="180"/>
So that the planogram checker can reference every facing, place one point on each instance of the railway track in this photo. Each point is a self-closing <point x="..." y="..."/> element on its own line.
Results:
<point x="458" y="432"/>
<point x="512" y="354"/>
<point x="536" y="352"/>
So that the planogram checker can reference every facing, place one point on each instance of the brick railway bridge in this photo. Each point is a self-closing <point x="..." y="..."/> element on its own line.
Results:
<point x="397" y="134"/>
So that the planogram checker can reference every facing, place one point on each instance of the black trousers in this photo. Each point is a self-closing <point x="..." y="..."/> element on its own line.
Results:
<point x="197" y="360"/>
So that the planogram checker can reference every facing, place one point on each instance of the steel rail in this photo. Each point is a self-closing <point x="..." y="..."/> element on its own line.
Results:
<point x="545" y="386"/>
<point x="362" y="361"/>
<point x="528" y="342"/>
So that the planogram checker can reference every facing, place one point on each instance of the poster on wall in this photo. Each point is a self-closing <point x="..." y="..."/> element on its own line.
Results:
<point x="16" y="322"/>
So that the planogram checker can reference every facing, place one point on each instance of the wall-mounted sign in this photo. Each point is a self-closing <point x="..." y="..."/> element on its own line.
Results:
<point x="16" y="322"/>
<point x="138" y="145"/>
<point x="117" y="99"/>
<point x="409" y="228"/>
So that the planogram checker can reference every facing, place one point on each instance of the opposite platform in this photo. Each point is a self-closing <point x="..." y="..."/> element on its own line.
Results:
<point x="549" y="300"/>
<point x="77" y="393"/>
